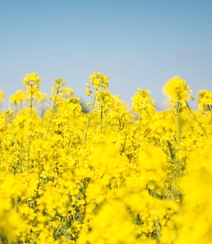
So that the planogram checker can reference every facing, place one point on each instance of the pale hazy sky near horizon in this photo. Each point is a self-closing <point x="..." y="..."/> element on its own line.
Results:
<point x="137" y="43"/>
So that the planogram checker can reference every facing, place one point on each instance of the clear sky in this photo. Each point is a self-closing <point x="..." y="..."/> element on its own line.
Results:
<point x="137" y="43"/>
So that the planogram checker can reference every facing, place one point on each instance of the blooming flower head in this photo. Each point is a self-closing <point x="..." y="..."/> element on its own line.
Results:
<point x="141" y="101"/>
<point x="99" y="80"/>
<point x="18" y="97"/>
<point x="59" y="82"/>
<point x="177" y="89"/>
<point x="205" y="100"/>
<point x="31" y="79"/>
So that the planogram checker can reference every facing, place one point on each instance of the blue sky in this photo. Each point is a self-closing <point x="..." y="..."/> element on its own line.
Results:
<point x="137" y="43"/>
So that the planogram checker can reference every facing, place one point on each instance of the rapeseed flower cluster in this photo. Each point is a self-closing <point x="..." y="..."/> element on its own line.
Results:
<point x="177" y="90"/>
<point x="111" y="175"/>
<point x="205" y="100"/>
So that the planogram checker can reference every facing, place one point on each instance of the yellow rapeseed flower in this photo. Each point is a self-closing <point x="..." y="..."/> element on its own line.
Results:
<point x="1" y="95"/>
<point x="125" y="180"/>
<point x="31" y="79"/>
<point x="98" y="80"/>
<point x="142" y="102"/>
<point x="177" y="89"/>
<point x="205" y="100"/>
<point x="59" y="82"/>
<point x="18" y="97"/>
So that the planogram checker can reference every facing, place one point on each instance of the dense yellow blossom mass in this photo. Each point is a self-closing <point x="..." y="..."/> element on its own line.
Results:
<point x="110" y="175"/>
<point x="178" y="90"/>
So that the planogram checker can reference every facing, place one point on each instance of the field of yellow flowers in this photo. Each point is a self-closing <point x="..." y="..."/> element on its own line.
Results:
<point x="113" y="175"/>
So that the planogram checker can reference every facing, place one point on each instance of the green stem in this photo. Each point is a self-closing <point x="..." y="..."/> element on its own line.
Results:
<point x="139" y="137"/>
<point x="101" y="119"/>
<point x="179" y="123"/>
<point x="89" y="119"/>
<point x="52" y="113"/>
<point x="28" y="153"/>
<point x="31" y="100"/>
<point x="195" y="118"/>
